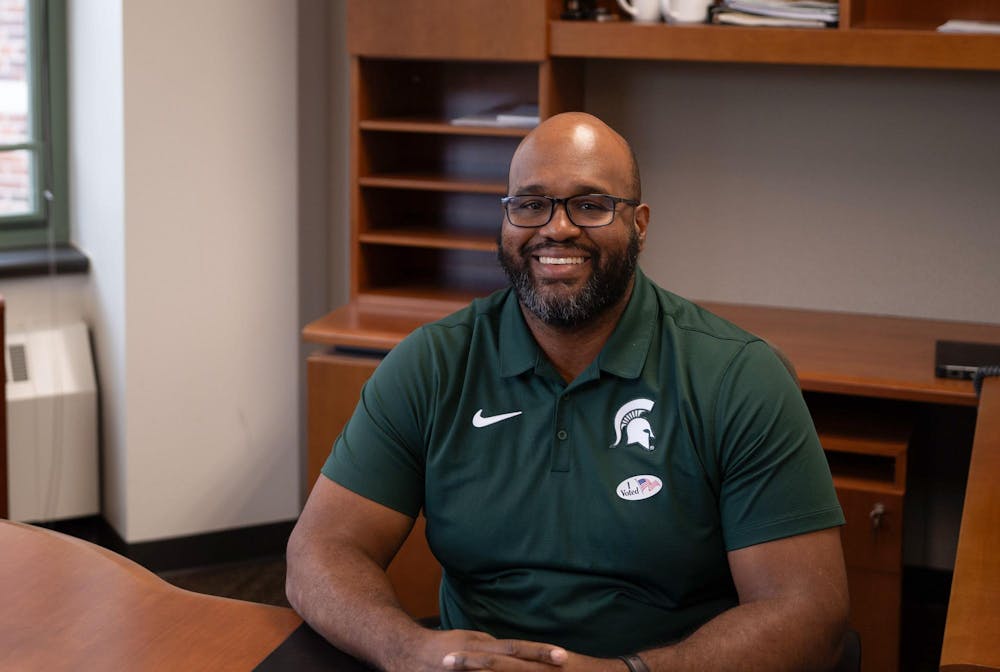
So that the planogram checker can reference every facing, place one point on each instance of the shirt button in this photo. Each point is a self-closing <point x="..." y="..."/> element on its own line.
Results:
<point x="561" y="435"/>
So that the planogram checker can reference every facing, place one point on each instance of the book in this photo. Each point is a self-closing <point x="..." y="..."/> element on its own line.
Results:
<point x="728" y="17"/>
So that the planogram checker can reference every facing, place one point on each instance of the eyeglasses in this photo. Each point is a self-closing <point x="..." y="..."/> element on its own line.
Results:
<point x="585" y="210"/>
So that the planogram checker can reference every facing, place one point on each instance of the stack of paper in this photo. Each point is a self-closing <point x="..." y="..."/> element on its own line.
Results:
<point x="957" y="26"/>
<point x="522" y="115"/>
<point x="789" y="13"/>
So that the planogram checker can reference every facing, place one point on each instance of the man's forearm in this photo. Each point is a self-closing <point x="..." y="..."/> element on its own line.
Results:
<point x="764" y="636"/>
<point x="346" y="597"/>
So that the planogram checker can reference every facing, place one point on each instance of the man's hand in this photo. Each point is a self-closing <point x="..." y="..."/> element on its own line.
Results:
<point x="469" y="650"/>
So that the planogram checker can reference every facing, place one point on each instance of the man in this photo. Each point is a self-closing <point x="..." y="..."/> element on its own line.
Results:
<point x="613" y="478"/>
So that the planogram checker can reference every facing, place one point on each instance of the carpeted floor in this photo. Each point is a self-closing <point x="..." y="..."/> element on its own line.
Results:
<point x="261" y="580"/>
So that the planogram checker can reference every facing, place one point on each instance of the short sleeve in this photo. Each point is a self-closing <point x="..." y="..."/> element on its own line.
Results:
<point x="775" y="478"/>
<point x="380" y="454"/>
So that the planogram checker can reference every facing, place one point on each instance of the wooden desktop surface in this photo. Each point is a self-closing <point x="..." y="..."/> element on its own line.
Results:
<point x="972" y="630"/>
<point x="843" y="353"/>
<point x="66" y="604"/>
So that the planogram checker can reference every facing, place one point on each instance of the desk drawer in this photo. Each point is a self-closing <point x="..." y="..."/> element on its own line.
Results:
<point x="873" y="535"/>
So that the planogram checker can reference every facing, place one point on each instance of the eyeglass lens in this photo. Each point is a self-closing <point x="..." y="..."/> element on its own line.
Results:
<point x="584" y="210"/>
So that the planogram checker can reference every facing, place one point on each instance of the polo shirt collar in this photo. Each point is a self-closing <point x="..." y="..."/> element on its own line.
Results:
<point x="623" y="355"/>
<point x="518" y="349"/>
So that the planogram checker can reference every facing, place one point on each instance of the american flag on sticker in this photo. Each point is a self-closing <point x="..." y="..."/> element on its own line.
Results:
<point x="648" y="484"/>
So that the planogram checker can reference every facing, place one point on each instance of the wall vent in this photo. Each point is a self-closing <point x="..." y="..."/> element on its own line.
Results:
<point x="17" y="363"/>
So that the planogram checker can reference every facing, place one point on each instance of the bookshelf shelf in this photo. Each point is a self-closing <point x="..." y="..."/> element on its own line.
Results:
<point x="437" y="126"/>
<point x="431" y="182"/>
<point x="898" y="43"/>
<point x="429" y="238"/>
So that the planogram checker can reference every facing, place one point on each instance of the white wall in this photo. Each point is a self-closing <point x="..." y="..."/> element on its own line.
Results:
<point x="97" y="220"/>
<point x="211" y="266"/>
<point x="184" y="194"/>
<point x="854" y="189"/>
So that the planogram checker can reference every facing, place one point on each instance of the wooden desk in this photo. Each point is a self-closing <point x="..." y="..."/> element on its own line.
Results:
<point x="855" y="361"/>
<point x="971" y="631"/>
<point x="841" y="353"/>
<point x="68" y="605"/>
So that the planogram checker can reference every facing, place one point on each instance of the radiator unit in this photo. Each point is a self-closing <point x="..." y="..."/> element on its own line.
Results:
<point x="51" y="425"/>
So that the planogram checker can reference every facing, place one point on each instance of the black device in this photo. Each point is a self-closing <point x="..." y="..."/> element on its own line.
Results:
<point x="957" y="359"/>
<point x="585" y="10"/>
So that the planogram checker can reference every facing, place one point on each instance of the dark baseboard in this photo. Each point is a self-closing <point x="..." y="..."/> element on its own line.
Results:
<point x="235" y="545"/>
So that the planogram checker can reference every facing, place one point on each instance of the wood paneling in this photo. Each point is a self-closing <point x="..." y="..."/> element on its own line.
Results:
<point x="971" y="632"/>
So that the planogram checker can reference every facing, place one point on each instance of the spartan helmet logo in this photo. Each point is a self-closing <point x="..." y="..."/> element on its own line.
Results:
<point x="637" y="428"/>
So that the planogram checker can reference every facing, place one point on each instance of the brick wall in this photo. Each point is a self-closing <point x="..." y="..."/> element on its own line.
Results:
<point x="15" y="179"/>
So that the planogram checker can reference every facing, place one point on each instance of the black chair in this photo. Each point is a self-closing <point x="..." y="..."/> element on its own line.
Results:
<point x="850" y="657"/>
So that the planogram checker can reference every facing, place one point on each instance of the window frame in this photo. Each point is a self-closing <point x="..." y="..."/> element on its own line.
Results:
<point x="48" y="224"/>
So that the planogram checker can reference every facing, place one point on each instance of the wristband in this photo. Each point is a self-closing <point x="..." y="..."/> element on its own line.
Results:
<point x="634" y="662"/>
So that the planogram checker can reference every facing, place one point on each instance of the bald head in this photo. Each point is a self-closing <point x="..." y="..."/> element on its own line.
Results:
<point x="576" y="142"/>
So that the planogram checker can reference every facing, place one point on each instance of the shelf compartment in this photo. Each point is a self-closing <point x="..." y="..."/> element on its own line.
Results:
<point x="476" y="158"/>
<point x="428" y="239"/>
<point x="433" y="182"/>
<point x="794" y="46"/>
<point x="432" y="274"/>
<point x="908" y="14"/>
<point x="438" y="91"/>
<point x="436" y="126"/>
<point x="468" y="220"/>
<point x="866" y="444"/>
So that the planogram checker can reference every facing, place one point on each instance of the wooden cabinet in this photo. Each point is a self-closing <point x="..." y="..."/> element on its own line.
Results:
<point x="335" y="383"/>
<point x="866" y="444"/>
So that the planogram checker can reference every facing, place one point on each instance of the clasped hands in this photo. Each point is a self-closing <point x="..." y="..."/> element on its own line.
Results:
<point x="470" y="650"/>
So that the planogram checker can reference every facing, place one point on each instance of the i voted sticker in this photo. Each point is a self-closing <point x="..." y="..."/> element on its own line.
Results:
<point x="643" y="486"/>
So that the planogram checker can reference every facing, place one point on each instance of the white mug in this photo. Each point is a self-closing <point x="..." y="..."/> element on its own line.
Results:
<point x="686" y="11"/>
<point x="643" y="11"/>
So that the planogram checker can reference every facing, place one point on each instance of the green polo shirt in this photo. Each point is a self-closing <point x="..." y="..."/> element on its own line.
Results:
<point x="597" y="514"/>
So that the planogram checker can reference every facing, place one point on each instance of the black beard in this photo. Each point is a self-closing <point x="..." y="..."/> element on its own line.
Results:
<point x="605" y="287"/>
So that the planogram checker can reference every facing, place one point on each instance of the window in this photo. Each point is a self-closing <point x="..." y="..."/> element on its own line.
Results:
<point x="33" y="179"/>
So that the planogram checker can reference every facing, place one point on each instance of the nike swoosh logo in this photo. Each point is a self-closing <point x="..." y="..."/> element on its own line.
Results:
<point x="479" y="421"/>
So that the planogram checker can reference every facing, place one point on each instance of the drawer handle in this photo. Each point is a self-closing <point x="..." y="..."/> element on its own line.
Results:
<point x="876" y="515"/>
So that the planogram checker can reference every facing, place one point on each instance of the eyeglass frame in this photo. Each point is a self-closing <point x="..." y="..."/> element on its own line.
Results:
<point x="615" y="200"/>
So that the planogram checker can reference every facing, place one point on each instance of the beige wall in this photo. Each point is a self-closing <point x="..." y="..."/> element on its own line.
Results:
<point x="867" y="190"/>
<point x="184" y="168"/>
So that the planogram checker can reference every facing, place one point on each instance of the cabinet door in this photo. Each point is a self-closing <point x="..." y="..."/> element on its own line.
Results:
<point x="872" y="540"/>
<point x="471" y="29"/>
<point x="875" y="608"/>
<point x="334" y="387"/>
<point x="335" y="383"/>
